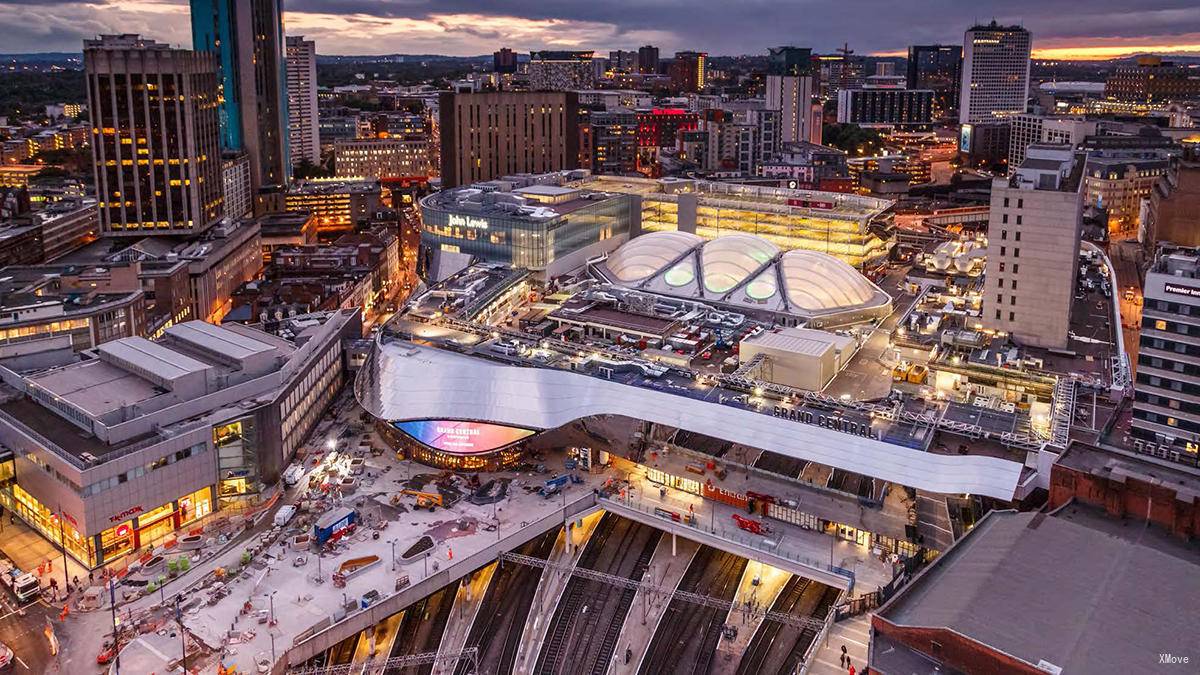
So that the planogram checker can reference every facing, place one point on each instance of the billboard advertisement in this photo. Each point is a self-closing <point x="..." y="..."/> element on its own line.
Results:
<point x="462" y="438"/>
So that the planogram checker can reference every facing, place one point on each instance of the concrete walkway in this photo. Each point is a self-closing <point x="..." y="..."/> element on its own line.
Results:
<point x="771" y="581"/>
<point x="665" y="570"/>
<point x="27" y="549"/>
<point x="855" y="634"/>
<point x="462" y="616"/>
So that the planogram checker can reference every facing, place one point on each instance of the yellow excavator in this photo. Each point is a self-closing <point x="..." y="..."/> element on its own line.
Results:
<point x="427" y="500"/>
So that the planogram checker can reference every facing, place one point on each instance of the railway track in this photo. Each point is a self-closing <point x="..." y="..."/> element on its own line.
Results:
<point x="422" y="627"/>
<point x="582" y="635"/>
<point x="687" y="636"/>
<point x="777" y="647"/>
<point x="500" y="621"/>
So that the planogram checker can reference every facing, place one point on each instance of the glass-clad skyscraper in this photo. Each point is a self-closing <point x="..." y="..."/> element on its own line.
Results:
<point x="247" y="36"/>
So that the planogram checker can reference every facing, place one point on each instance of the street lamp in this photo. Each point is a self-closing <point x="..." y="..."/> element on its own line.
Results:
<point x="182" y="634"/>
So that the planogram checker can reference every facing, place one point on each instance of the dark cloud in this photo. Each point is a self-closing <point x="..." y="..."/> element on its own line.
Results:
<point x="718" y="26"/>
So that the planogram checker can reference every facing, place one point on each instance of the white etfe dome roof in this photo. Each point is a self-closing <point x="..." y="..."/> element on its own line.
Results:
<point x="746" y="270"/>
<point x="727" y="261"/>
<point x="646" y="255"/>
<point x="820" y="282"/>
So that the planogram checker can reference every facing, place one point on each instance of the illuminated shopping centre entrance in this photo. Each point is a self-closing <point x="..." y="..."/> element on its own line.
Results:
<point x="458" y="445"/>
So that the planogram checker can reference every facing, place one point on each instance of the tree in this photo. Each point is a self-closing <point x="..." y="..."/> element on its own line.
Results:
<point x="853" y="139"/>
<point x="306" y="169"/>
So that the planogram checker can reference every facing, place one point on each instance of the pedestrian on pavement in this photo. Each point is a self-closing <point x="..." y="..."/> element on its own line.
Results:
<point x="851" y="670"/>
<point x="849" y="666"/>
<point x="845" y="657"/>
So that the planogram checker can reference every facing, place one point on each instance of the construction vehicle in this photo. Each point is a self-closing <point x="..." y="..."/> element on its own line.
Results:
<point x="751" y="526"/>
<point x="425" y="500"/>
<point x="554" y="485"/>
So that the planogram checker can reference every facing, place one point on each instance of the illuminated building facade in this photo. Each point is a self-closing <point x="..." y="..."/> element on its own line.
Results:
<point x="995" y="73"/>
<point x="658" y="127"/>
<point x="155" y="147"/>
<point x="1152" y="80"/>
<point x="539" y="227"/>
<point x="827" y="222"/>
<point x="111" y="466"/>
<point x="304" y="134"/>
<point x="381" y="157"/>
<point x="561" y="70"/>
<point x="246" y="38"/>
<point x="336" y="204"/>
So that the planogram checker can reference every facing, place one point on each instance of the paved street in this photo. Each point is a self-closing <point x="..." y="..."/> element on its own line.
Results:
<point x="1126" y="256"/>
<point x="21" y="629"/>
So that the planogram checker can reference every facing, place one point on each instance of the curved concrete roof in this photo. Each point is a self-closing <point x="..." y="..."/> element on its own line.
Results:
<point x="406" y="382"/>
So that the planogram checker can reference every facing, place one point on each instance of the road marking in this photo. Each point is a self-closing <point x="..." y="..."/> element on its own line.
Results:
<point x="23" y="664"/>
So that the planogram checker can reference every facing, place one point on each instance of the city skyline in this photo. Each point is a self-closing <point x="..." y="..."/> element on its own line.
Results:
<point x="469" y="28"/>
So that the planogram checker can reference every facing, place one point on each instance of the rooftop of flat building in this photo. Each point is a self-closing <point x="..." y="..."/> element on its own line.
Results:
<point x="281" y="222"/>
<point x="1049" y="167"/>
<point x="1119" y="465"/>
<point x="328" y="187"/>
<point x="1178" y="262"/>
<point x="1110" y="594"/>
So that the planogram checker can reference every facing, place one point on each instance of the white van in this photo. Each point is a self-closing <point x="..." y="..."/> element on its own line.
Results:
<point x="284" y="515"/>
<point x="293" y="474"/>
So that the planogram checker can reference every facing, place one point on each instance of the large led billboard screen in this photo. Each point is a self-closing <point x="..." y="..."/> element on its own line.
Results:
<point x="462" y="438"/>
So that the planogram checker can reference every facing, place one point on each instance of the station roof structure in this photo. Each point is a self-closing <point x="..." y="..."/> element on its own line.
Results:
<point x="742" y="270"/>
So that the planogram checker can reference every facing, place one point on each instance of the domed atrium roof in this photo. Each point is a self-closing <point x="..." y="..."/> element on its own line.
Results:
<point x="748" y="272"/>
<point x="647" y="255"/>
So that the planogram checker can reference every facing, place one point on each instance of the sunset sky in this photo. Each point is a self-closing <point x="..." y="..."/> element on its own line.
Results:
<point x="1061" y="29"/>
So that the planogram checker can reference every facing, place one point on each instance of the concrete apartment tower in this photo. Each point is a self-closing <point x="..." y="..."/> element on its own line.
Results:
<point x="155" y="147"/>
<point x="1036" y="219"/>
<point x="304" y="135"/>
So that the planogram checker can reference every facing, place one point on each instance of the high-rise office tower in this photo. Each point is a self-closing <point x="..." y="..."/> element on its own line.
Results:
<point x="790" y="88"/>
<point x="304" y="136"/>
<point x="247" y="37"/>
<point x="995" y="73"/>
<point x="937" y="67"/>
<point x="1035" y="222"/>
<point x="530" y="132"/>
<point x="689" y="71"/>
<point x="647" y="59"/>
<point x="155" y="147"/>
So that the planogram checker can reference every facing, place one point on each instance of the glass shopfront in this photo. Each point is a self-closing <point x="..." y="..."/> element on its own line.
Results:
<point x="237" y="460"/>
<point x="52" y="527"/>
<point x="144" y="529"/>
